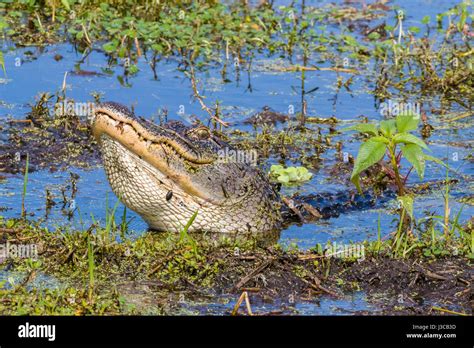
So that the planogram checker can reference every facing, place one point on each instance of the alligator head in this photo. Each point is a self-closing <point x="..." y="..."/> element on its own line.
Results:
<point x="167" y="173"/>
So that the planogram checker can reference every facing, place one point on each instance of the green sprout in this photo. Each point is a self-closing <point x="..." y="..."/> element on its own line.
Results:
<point x="386" y="139"/>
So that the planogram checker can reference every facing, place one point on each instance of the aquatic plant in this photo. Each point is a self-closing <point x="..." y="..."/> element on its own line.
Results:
<point x="185" y="238"/>
<point x="383" y="140"/>
<point x="288" y="175"/>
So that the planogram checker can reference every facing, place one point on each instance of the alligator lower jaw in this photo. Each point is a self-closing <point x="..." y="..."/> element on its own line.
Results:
<point x="126" y="135"/>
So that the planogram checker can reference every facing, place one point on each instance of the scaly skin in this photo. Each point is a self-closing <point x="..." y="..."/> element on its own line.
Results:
<point x="167" y="173"/>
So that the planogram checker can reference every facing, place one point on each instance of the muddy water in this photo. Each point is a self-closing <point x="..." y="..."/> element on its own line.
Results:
<point x="268" y="87"/>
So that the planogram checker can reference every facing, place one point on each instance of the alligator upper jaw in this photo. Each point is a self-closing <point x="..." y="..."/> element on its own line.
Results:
<point x="137" y="139"/>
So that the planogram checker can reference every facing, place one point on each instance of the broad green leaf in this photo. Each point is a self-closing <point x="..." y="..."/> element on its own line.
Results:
<point x="370" y="153"/>
<point x="303" y="174"/>
<point x="122" y="52"/>
<point x="356" y="181"/>
<point x="407" y="138"/>
<point x="133" y="69"/>
<point x="292" y="174"/>
<point x="388" y="127"/>
<point x="426" y="19"/>
<point x="363" y="128"/>
<point x="283" y="178"/>
<point x="380" y="139"/>
<point x="407" y="203"/>
<point x="407" y="122"/>
<point x="414" y="154"/>
<point x="276" y="168"/>
<point x="157" y="47"/>
<point x="110" y="47"/>
<point x="374" y="36"/>
<point x="350" y="40"/>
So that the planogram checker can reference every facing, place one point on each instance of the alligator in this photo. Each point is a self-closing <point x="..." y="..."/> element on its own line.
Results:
<point x="168" y="173"/>
<point x="172" y="174"/>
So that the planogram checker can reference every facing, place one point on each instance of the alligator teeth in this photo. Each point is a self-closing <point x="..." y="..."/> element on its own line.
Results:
<point x="148" y="143"/>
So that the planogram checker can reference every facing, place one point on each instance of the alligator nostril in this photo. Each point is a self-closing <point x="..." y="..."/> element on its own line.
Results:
<point x="169" y="195"/>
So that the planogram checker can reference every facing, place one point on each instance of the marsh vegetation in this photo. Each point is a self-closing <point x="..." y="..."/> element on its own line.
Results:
<point x="285" y="79"/>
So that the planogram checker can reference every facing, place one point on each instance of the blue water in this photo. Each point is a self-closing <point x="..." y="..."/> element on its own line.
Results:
<point x="171" y="91"/>
<point x="347" y="305"/>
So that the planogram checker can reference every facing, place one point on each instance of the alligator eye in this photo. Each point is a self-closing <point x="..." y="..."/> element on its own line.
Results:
<point x="201" y="133"/>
